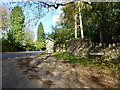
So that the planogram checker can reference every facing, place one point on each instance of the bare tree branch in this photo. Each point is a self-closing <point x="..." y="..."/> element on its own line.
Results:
<point x="56" y="5"/>
<point x="45" y="4"/>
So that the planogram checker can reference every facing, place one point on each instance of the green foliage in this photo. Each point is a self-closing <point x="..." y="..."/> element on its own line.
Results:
<point x="6" y="46"/>
<point x="107" y="65"/>
<point x="40" y="33"/>
<point x="28" y="41"/>
<point x="68" y="17"/>
<point x="44" y="53"/>
<point x="102" y="22"/>
<point x="39" y="45"/>
<point x="71" y="58"/>
<point x="16" y="33"/>
<point x="59" y="35"/>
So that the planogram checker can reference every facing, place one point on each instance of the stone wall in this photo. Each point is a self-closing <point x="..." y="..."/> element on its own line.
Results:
<point x="112" y="52"/>
<point x="83" y="48"/>
<point x="60" y="48"/>
<point x="78" y="47"/>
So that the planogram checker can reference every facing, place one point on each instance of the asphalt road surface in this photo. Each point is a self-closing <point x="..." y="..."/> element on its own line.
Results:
<point x="46" y="71"/>
<point x="8" y="71"/>
<point x="18" y="54"/>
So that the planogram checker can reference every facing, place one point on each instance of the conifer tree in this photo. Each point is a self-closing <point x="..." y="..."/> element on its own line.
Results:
<point x="40" y="33"/>
<point x="16" y="34"/>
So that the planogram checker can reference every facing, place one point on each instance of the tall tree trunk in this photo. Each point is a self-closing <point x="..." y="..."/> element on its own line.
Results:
<point x="75" y="17"/>
<point x="101" y="38"/>
<point x="103" y="32"/>
<point x="81" y="26"/>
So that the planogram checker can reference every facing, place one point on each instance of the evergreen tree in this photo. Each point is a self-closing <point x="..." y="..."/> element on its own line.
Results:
<point x="16" y="34"/>
<point x="40" y="33"/>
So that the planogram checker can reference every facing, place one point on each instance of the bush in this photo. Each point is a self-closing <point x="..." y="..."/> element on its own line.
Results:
<point x="7" y="48"/>
<point x="39" y="45"/>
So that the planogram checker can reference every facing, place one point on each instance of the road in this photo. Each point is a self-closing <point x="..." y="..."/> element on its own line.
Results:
<point x="49" y="73"/>
<point x="18" y="54"/>
<point x="8" y="71"/>
<point x="46" y="71"/>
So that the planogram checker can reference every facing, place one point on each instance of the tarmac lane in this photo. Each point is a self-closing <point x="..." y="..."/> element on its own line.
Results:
<point x="46" y="71"/>
<point x="12" y="76"/>
<point x="18" y="54"/>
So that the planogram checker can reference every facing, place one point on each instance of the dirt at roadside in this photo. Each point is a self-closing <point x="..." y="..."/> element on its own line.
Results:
<point x="55" y="73"/>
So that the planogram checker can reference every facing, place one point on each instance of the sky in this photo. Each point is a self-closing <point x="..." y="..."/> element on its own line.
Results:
<point x="48" y="20"/>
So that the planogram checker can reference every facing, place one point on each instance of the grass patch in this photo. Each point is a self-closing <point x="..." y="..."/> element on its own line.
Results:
<point x="44" y="53"/>
<point x="71" y="58"/>
<point x="106" y="65"/>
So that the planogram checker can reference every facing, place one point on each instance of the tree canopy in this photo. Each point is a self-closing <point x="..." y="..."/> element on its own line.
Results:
<point x="40" y="33"/>
<point x="16" y="33"/>
<point x="96" y="21"/>
<point x="100" y="22"/>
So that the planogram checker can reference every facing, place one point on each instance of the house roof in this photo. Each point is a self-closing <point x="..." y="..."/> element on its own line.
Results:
<point x="48" y="39"/>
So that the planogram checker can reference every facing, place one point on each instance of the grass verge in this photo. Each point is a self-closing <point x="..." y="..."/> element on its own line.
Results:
<point x="106" y="65"/>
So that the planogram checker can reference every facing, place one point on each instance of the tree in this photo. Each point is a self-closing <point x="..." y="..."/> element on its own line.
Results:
<point x="69" y="19"/>
<point x="102" y="22"/>
<point x="16" y="33"/>
<point x="40" y="33"/>
<point x="81" y="5"/>
<point x="39" y="8"/>
<point x="73" y="17"/>
<point x="40" y="37"/>
<point x="59" y="35"/>
<point x="39" y="45"/>
<point x="28" y="41"/>
<point x="4" y="21"/>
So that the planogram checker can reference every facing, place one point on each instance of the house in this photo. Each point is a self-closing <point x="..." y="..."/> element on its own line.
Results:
<point x="49" y="43"/>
